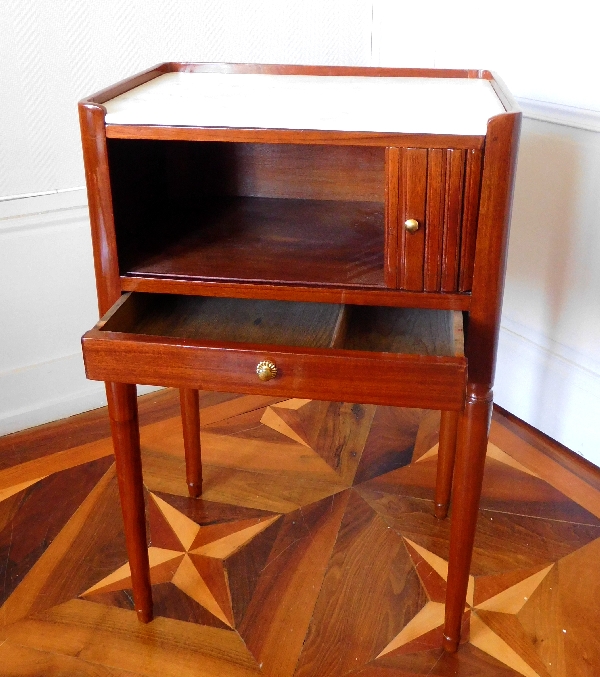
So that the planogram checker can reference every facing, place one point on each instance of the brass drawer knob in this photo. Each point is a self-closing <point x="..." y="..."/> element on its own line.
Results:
<point x="412" y="225"/>
<point x="266" y="370"/>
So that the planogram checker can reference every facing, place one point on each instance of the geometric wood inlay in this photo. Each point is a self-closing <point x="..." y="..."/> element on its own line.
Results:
<point x="228" y="545"/>
<point x="188" y="579"/>
<point x="313" y="552"/>
<point x="488" y="641"/>
<point x="277" y="421"/>
<point x="11" y="491"/>
<point x="430" y="617"/>
<point x="492" y="452"/>
<point x="440" y="566"/>
<point x="512" y="600"/>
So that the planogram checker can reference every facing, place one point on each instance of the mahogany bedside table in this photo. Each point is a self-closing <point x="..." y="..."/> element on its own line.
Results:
<point x="311" y="232"/>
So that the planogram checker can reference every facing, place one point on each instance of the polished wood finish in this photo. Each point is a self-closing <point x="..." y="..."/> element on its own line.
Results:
<point x="293" y="292"/>
<point x="455" y="162"/>
<point x="122" y="411"/>
<point x="364" y="484"/>
<point x="392" y="164"/>
<point x="181" y="341"/>
<point x="293" y="171"/>
<point x="275" y="208"/>
<point x="190" y="419"/>
<point x="412" y="176"/>
<point x="468" y="477"/>
<point x="481" y="347"/>
<point x="469" y="219"/>
<point x="434" y="220"/>
<point x="302" y="372"/>
<point x="166" y="133"/>
<point x="439" y="188"/>
<point x="261" y="239"/>
<point x="95" y="158"/>
<point x="445" y="466"/>
<point x="491" y="249"/>
<point x="290" y="197"/>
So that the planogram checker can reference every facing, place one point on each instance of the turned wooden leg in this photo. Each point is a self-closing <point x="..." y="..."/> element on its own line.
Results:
<point x="190" y="418"/>
<point x="468" y="476"/>
<point x="122" y="410"/>
<point x="445" y="466"/>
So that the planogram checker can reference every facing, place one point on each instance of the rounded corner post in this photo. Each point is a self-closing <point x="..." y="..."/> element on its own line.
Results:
<point x="481" y="348"/>
<point x="97" y="176"/>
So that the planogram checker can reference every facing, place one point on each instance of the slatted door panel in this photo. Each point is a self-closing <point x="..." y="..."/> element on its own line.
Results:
<point x="474" y="169"/>
<point x="439" y="188"/>
<point x="412" y="194"/>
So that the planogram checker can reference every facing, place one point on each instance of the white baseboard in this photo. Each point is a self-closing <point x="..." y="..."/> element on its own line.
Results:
<point x="544" y="386"/>
<point x="47" y="392"/>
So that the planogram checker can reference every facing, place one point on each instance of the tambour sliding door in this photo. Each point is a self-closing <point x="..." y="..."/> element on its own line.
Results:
<point x="432" y="203"/>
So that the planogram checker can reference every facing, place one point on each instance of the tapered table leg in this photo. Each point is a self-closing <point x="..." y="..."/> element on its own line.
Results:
<point x="190" y="418"/>
<point x="445" y="466"/>
<point x="468" y="476"/>
<point x="122" y="410"/>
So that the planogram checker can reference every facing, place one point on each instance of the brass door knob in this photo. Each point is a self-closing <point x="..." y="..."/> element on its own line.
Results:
<point x="412" y="225"/>
<point x="266" y="370"/>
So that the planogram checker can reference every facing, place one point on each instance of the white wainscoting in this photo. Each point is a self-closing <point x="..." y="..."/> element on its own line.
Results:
<point x="551" y="391"/>
<point x="48" y="301"/>
<point x="548" y="371"/>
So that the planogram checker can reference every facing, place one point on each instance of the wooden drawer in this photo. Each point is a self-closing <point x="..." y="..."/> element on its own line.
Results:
<point x="379" y="355"/>
<point x="439" y="189"/>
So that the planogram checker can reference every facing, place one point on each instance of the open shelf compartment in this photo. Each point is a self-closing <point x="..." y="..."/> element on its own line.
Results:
<point x="293" y="214"/>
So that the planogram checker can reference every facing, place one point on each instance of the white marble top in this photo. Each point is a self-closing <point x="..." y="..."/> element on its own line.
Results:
<point x="316" y="102"/>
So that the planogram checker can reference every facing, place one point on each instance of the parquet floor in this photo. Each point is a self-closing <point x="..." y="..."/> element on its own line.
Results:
<point x="313" y="552"/>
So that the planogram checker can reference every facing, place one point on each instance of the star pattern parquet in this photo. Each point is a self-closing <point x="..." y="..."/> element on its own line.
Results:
<point x="312" y="553"/>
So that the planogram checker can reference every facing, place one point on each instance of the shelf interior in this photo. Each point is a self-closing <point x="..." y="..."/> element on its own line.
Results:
<point x="274" y="239"/>
<point x="249" y="212"/>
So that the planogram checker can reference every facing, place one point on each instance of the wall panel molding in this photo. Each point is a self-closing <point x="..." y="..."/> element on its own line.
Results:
<point x="35" y="205"/>
<point x="568" y="116"/>
<point x="48" y="301"/>
<point x="550" y="391"/>
<point x="48" y="391"/>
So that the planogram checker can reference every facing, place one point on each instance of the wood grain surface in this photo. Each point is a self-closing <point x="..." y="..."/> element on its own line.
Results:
<point x="298" y="292"/>
<point x="313" y="551"/>
<point x="257" y="239"/>
<point x="440" y="189"/>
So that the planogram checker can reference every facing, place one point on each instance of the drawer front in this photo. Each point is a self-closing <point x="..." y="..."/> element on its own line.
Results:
<point x="432" y="203"/>
<point x="376" y="378"/>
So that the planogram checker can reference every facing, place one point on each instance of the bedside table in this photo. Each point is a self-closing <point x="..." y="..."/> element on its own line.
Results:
<point x="314" y="232"/>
